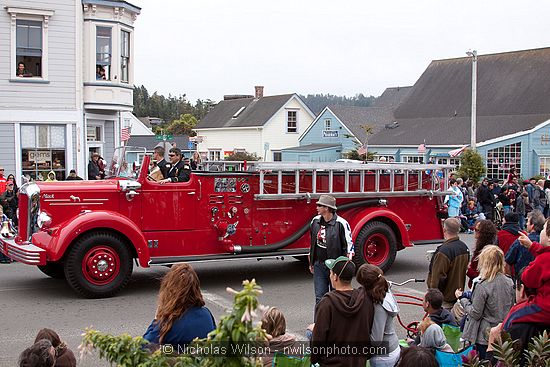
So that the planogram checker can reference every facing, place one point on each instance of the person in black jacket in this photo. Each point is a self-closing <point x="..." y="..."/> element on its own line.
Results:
<point x="179" y="171"/>
<point x="486" y="199"/>
<point x="330" y="239"/>
<point x="95" y="171"/>
<point x="10" y="202"/>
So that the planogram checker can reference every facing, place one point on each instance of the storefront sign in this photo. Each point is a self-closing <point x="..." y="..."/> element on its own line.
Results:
<point x="330" y="133"/>
<point x="40" y="156"/>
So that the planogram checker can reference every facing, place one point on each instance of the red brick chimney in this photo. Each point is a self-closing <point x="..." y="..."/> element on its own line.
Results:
<point x="259" y="91"/>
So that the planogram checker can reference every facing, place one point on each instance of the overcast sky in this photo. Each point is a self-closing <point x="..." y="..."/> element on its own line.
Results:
<point x="208" y="48"/>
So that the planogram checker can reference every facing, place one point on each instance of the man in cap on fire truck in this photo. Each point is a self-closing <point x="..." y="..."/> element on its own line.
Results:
<point x="330" y="238"/>
<point x="178" y="171"/>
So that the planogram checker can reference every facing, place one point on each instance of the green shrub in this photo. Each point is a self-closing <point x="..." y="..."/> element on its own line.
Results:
<point x="235" y="327"/>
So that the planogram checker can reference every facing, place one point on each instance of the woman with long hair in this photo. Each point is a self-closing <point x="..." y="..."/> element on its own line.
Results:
<point x="181" y="315"/>
<point x="485" y="234"/>
<point x="377" y="288"/>
<point x="490" y="301"/>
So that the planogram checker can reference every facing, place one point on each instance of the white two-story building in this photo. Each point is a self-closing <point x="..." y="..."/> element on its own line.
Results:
<point x="66" y="83"/>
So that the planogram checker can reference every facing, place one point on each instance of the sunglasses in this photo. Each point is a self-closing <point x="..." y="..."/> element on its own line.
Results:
<point x="320" y="206"/>
<point x="171" y="155"/>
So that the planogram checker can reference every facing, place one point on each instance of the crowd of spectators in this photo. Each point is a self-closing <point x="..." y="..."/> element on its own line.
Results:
<point x="508" y="288"/>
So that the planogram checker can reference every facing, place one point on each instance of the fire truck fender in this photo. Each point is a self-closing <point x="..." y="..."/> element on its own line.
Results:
<point x="383" y="215"/>
<point x="85" y="222"/>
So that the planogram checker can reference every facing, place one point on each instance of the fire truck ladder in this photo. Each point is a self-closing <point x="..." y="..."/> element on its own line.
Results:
<point x="438" y="173"/>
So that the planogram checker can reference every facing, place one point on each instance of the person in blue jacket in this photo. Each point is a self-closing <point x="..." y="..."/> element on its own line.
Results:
<point x="181" y="315"/>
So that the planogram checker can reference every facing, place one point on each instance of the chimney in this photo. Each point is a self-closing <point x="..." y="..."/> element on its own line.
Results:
<point x="259" y="91"/>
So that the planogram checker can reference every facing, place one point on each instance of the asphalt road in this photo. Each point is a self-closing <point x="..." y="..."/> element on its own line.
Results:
<point x="29" y="300"/>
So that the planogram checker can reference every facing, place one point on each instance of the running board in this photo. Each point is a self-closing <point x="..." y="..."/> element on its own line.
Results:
<point x="168" y="260"/>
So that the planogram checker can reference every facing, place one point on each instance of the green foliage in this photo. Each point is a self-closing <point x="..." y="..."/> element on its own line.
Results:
<point x="471" y="165"/>
<point x="242" y="156"/>
<point x="183" y="126"/>
<point x="507" y="351"/>
<point x="168" y="108"/>
<point x="235" y="327"/>
<point x="316" y="102"/>
<point x="538" y="353"/>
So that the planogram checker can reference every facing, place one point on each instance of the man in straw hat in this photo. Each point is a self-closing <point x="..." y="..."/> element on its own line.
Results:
<point x="330" y="239"/>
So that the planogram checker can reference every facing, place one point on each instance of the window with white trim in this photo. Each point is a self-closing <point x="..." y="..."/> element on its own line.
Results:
<point x="292" y="121"/>
<point x="28" y="48"/>
<point x="501" y="159"/>
<point x="29" y="43"/>
<point x="124" y="56"/>
<point x="387" y="157"/>
<point x="215" y="155"/>
<point x="43" y="151"/>
<point x="544" y="167"/>
<point x="446" y="160"/>
<point x="94" y="133"/>
<point x="327" y="124"/>
<point x="412" y="158"/>
<point x="103" y="48"/>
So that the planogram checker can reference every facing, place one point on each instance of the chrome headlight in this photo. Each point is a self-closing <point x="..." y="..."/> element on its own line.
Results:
<point x="43" y="220"/>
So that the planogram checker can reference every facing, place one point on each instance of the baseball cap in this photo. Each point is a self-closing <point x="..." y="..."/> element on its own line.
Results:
<point x="342" y="266"/>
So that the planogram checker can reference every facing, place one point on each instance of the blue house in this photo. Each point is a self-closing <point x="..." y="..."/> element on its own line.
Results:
<point x="340" y="129"/>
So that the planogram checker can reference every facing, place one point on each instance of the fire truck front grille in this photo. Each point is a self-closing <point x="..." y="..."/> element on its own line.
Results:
<point x="30" y="211"/>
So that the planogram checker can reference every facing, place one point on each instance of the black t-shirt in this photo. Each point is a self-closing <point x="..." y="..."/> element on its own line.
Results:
<point x="321" y="252"/>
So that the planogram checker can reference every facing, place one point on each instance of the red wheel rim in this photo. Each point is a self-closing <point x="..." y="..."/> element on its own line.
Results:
<point x="100" y="265"/>
<point x="376" y="249"/>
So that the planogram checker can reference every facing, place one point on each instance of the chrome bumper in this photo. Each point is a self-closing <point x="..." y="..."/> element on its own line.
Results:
<point x="26" y="253"/>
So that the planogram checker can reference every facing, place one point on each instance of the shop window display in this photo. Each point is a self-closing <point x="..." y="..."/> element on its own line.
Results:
<point x="43" y="150"/>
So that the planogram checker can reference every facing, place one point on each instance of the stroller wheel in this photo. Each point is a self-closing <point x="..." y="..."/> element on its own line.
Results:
<point x="412" y="329"/>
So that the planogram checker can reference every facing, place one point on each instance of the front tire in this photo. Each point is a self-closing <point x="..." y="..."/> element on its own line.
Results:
<point x="376" y="244"/>
<point x="53" y="270"/>
<point x="99" y="265"/>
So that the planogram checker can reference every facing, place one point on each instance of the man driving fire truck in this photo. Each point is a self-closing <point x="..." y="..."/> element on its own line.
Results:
<point x="178" y="171"/>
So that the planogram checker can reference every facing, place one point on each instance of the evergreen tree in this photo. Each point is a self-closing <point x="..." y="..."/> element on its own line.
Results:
<point x="471" y="165"/>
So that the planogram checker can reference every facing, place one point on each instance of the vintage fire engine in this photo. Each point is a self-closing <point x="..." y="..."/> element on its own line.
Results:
<point x="90" y="232"/>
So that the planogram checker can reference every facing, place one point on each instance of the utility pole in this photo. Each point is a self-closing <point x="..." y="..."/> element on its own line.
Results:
<point x="473" y="127"/>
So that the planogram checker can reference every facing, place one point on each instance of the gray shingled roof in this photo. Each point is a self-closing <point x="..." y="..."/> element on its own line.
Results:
<point x="357" y="117"/>
<point x="512" y="96"/>
<point x="392" y="97"/>
<point x="256" y="113"/>
<point x="311" y="147"/>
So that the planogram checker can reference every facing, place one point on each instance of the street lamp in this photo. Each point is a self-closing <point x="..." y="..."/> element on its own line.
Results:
<point x="473" y="55"/>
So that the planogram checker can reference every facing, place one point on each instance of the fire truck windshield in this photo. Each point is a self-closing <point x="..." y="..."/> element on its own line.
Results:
<point x="126" y="162"/>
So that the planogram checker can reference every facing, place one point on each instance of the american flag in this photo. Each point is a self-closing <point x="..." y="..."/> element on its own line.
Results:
<point x="362" y="150"/>
<point x="456" y="152"/>
<point x="422" y="148"/>
<point x="125" y="134"/>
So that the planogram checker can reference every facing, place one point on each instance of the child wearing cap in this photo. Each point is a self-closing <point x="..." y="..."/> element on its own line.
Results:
<point x="344" y="317"/>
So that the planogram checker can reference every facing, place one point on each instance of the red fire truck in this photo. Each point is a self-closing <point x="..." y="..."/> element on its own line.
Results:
<point x="91" y="232"/>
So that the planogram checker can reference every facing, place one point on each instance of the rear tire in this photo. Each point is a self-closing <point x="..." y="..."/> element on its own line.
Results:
<point x="53" y="270"/>
<point x="98" y="265"/>
<point x="376" y="244"/>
